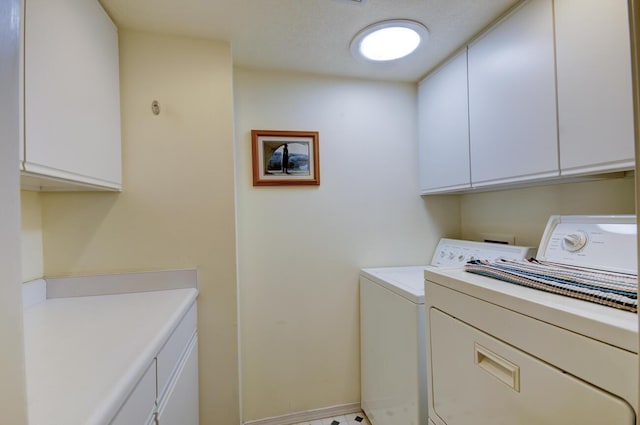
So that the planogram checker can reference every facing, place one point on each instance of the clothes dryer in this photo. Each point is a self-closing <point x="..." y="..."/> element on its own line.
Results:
<point x="553" y="340"/>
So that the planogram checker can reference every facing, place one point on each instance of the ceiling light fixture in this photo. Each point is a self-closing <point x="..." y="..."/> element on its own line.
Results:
<point x="389" y="40"/>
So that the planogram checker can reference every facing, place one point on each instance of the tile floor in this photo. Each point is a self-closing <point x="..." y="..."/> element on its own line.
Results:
<point x="350" y="419"/>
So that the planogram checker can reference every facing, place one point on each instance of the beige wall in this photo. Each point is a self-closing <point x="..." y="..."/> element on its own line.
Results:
<point x="523" y="213"/>
<point x="176" y="209"/>
<point x="32" y="260"/>
<point x="301" y="248"/>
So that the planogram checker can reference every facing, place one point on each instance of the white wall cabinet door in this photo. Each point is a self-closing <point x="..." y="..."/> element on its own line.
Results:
<point x="512" y="99"/>
<point x="72" y="98"/>
<point x="595" y="104"/>
<point x="443" y="128"/>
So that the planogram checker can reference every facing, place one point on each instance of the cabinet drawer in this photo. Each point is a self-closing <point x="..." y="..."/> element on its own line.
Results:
<point x="175" y="347"/>
<point x="140" y="404"/>
<point x="479" y="379"/>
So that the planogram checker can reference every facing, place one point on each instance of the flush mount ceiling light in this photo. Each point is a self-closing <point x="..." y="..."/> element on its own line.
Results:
<point x="389" y="40"/>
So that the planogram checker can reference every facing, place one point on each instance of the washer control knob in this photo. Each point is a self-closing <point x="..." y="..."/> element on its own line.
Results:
<point x="574" y="241"/>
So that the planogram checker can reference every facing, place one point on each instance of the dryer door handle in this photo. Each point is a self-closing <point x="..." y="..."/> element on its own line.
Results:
<point x="497" y="366"/>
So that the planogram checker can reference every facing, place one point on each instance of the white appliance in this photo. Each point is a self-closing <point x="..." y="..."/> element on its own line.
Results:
<point x="392" y="331"/>
<point x="502" y="353"/>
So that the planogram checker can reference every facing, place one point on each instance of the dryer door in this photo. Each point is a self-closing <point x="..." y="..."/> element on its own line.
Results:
<point x="478" y="379"/>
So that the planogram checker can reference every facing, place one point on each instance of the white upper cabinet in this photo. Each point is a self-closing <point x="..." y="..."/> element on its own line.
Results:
<point x="595" y="105"/>
<point x="512" y="99"/>
<point x="443" y="128"/>
<point x="71" y="96"/>
<point x="549" y="96"/>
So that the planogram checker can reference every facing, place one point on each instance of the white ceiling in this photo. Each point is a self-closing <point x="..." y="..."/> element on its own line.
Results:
<point x="312" y="35"/>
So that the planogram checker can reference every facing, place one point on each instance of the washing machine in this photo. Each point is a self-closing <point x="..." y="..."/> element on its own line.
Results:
<point x="392" y="331"/>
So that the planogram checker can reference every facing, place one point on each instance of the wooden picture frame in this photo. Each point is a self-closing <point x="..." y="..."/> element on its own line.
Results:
<point x="285" y="158"/>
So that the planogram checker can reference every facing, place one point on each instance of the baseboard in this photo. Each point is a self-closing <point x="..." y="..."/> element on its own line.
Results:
<point x="308" y="415"/>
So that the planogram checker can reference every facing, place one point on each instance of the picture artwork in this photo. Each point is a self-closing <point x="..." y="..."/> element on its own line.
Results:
<point x="285" y="158"/>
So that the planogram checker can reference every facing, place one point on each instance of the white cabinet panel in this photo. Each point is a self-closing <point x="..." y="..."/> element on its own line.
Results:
<point x="180" y="407"/>
<point x="72" y="99"/>
<point x="21" y="92"/>
<point x="512" y="99"/>
<point x="595" y="105"/>
<point x="168" y="392"/>
<point x="140" y="405"/>
<point x="169" y="356"/>
<point x="443" y="123"/>
<point x="478" y="379"/>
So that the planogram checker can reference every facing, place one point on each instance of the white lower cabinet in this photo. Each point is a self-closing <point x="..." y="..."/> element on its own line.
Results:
<point x="140" y="405"/>
<point x="174" y="350"/>
<point x="178" y="375"/>
<point x="179" y="406"/>
<point x="167" y="393"/>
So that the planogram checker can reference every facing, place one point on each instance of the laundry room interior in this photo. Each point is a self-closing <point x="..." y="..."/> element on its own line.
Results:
<point x="278" y="266"/>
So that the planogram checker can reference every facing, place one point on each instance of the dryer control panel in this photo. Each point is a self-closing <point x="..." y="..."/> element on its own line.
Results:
<point x="598" y="242"/>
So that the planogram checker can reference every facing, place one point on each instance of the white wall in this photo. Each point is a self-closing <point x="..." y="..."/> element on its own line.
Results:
<point x="13" y="406"/>
<point x="300" y="248"/>
<point x="523" y="213"/>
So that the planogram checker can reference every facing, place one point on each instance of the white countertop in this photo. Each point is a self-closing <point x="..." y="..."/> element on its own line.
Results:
<point x="85" y="354"/>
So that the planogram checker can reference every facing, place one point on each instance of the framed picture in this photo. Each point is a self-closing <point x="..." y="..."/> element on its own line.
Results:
<point x="285" y="158"/>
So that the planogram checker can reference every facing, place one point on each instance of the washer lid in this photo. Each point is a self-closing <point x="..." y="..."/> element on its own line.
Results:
<point x="408" y="282"/>
<point x="601" y="242"/>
